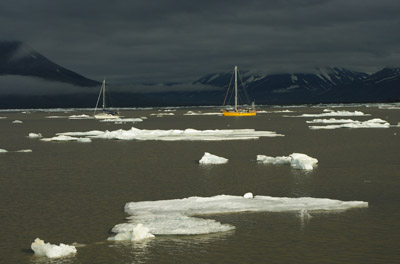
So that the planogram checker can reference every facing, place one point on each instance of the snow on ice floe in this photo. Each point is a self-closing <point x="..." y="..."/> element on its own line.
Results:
<point x="34" y="135"/>
<point x="174" y="134"/>
<point x="176" y="217"/>
<point x="296" y="160"/>
<point x="373" y="123"/>
<point x="212" y="159"/>
<point x="41" y="248"/>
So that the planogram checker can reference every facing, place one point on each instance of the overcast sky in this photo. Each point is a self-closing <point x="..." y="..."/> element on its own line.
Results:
<point x="181" y="40"/>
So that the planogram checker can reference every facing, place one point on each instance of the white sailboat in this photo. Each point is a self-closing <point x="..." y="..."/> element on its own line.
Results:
<point x="105" y="114"/>
<point x="238" y="111"/>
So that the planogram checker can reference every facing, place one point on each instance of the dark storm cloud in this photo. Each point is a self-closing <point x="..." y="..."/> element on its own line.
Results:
<point x="177" y="40"/>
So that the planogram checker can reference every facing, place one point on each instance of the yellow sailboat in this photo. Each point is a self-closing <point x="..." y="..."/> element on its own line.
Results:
<point x="238" y="110"/>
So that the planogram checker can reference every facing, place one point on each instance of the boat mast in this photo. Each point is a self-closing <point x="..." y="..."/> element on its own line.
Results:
<point x="236" y="95"/>
<point x="104" y="94"/>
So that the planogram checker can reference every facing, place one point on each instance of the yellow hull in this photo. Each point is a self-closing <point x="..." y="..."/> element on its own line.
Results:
<point x="232" y="113"/>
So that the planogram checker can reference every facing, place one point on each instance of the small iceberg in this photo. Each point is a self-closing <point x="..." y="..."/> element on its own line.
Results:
<point x="34" y="135"/>
<point x="17" y="122"/>
<point x="296" y="160"/>
<point x="3" y="151"/>
<point x="138" y="233"/>
<point x="212" y="159"/>
<point x="41" y="248"/>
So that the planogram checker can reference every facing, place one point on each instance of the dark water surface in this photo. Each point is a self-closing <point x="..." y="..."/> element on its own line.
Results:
<point x="66" y="192"/>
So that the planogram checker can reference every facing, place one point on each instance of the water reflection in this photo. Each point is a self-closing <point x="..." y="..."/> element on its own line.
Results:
<point x="301" y="183"/>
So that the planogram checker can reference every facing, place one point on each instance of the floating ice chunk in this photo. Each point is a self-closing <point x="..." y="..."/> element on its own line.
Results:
<point x="248" y="195"/>
<point x="3" y="151"/>
<point x="296" y="160"/>
<point x="373" y="123"/>
<point x="56" y="117"/>
<point x="302" y="161"/>
<point x="139" y="232"/>
<point x="67" y="138"/>
<point x="122" y="120"/>
<point x="274" y="160"/>
<point x="17" y="122"/>
<point x="25" y="150"/>
<point x="162" y="114"/>
<point x="3" y="117"/>
<point x="51" y="251"/>
<point x="80" y="117"/>
<point x="176" y="134"/>
<point x="192" y="113"/>
<point x="331" y="121"/>
<point x="35" y="135"/>
<point x="176" y="217"/>
<point x="328" y="112"/>
<point x="212" y="159"/>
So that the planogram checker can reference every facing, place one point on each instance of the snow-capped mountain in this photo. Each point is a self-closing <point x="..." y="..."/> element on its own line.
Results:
<point x="290" y="87"/>
<point x="18" y="59"/>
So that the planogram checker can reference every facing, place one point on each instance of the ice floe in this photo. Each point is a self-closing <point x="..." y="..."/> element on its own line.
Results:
<point x="212" y="159"/>
<point x="162" y="114"/>
<point x="41" y="248"/>
<point x="330" y="121"/>
<point x="25" y="150"/>
<point x="56" y="117"/>
<point x="122" y="120"/>
<point x="17" y="122"/>
<point x="34" y="135"/>
<point x="67" y="138"/>
<point x="139" y="232"/>
<point x="176" y="217"/>
<point x="328" y="112"/>
<point x="80" y="117"/>
<point x="174" y="134"/>
<point x="3" y="117"/>
<point x="296" y="160"/>
<point x="192" y="113"/>
<point x="22" y="150"/>
<point x="373" y="123"/>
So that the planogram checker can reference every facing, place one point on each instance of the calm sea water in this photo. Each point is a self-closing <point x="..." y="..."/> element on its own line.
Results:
<point x="66" y="192"/>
